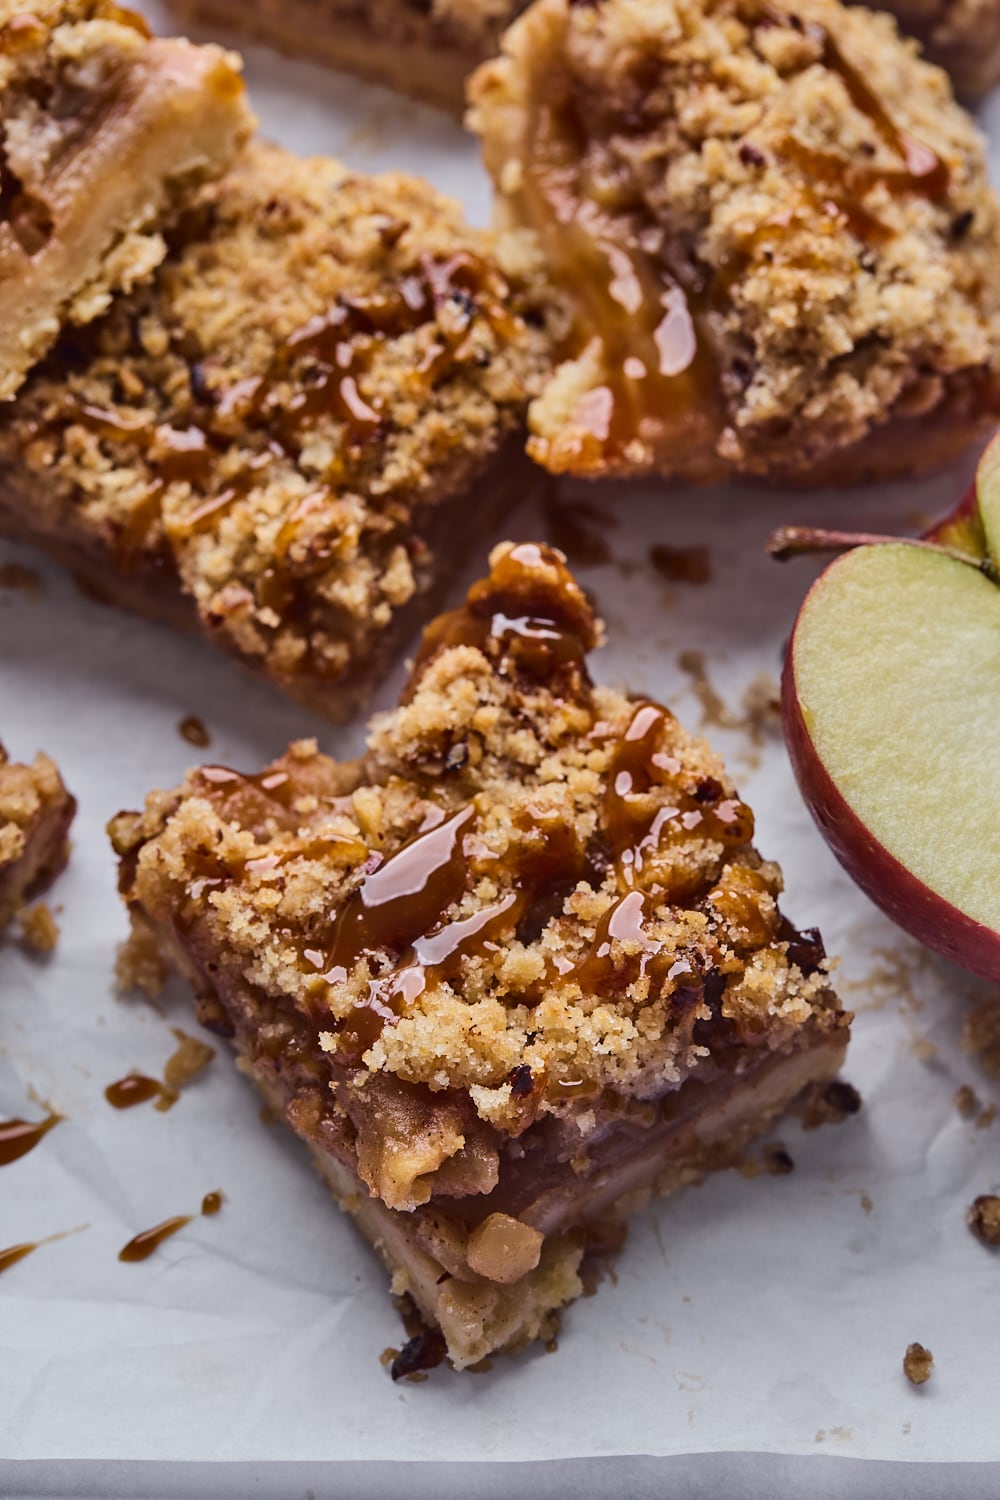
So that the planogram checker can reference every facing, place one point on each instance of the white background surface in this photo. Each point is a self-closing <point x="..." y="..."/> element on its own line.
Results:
<point x="767" y="1314"/>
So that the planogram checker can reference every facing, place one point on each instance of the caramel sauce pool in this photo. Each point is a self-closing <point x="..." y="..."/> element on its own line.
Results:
<point x="18" y="1137"/>
<point x="131" y="1090"/>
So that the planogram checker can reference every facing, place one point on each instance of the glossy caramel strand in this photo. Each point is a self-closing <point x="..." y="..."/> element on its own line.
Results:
<point x="316" y="372"/>
<point x="636" y="834"/>
<point x="142" y="1246"/>
<point x="529" y="617"/>
<point x="18" y="1137"/>
<point x="133" y="1089"/>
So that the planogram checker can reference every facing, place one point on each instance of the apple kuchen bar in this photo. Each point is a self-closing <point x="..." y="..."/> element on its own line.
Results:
<point x="103" y="131"/>
<point x="35" y="816"/>
<point x="286" y="435"/>
<point x="515" y="969"/>
<point x="773" y="229"/>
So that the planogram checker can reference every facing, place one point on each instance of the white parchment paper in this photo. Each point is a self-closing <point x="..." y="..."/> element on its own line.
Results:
<point x="766" y="1314"/>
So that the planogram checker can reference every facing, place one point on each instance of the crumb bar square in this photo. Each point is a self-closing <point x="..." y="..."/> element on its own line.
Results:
<point x="285" y="436"/>
<point x="425" y="50"/>
<point x="514" y="971"/>
<point x="35" y="816"/>
<point x="103" y="131"/>
<point x="770" y="232"/>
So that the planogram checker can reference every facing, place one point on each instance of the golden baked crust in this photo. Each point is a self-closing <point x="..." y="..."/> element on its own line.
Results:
<point x="962" y="36"/>
<point x="321" y="378"/>
<point x="103" y="131"/>
<point x="35" y="814"/>
<point x="424" y="50"/>
<point x="773" y="228"/>
<point x="499" y="966"/>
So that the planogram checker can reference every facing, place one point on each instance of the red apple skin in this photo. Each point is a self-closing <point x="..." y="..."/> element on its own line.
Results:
<point x="912" y="905"/>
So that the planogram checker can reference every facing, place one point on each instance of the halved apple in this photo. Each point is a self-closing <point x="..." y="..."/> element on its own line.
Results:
<point x="891" y="707"/>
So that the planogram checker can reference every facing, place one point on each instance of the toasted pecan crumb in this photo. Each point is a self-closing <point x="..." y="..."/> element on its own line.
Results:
<point x="39" y="927"/>
<point x="191" y="1058"/>
<point x="966" y="1101"/>
<point x="983" y="1218"/>
<point x="917" y="1364"/>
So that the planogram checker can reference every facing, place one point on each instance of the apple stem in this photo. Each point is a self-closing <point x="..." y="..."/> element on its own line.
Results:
<point x="797" y="541"/>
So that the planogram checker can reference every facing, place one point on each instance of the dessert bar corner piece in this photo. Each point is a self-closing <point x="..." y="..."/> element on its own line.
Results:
<point x="35" y="816"/>
<point x="507" y="975"/>
<point x="103" y="129"/>
<point x="425" y="50"/>
<point x="774" y="230"/>
<point x="287" y="434"/>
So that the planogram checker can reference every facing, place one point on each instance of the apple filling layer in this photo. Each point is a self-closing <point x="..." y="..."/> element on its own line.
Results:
<point x="103" y="130"/>
<point x="514" y="970"/>
<point x="279" y="438"/>
<point x="771" y="231"/>
<point x="35" y="816"/>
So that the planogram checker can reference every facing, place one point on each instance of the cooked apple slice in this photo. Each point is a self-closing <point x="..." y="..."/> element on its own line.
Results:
<point x="891" y="703"/>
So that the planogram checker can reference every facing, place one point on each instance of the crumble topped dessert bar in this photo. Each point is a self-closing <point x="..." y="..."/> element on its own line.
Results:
<point x="325" y="380"/>
<point x="773" y="230"/>
<point x="426" y="49"/>
<point x="103" y="130"/>
<point x="962" y="36"/>
<point x="35" y="815"/>
<point x="508" y="974"/>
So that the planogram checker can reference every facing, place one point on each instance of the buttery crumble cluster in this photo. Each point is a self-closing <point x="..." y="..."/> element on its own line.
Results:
<point x="532" y="889"/>
<point x="775" y="222"/>
<point x="35" y="814"/>
<point x="323" y="362"/>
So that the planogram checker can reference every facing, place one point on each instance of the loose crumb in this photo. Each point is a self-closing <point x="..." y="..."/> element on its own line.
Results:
<point x="194" y="731"/>
<point x="778" y="1161"/>
<point x="983" y="1218"/>
<point x="966" y="1101"/>
<point x="917" y="1364"/>
<point x="829" y="1103"/>
<point x="981" y="1034"/>
<point x="191" y="1058"/>
<point x="39" y="928"/>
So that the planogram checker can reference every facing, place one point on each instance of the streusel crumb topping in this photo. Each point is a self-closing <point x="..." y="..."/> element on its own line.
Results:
<point x="322" y="360"/>
<point x="532" y="888"/>
<point x="26" y="792"/>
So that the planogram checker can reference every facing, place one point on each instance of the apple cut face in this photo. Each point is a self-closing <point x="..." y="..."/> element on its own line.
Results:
<point x="891" y="698"/>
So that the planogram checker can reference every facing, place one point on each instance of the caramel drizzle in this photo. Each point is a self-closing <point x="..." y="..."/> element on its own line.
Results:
<point x="324" y="363"/>
<point x="142" y="1246"/>
<point x="18" y="1137"/>
<point x="515" y="618"/>
<point x="137" y="1088"/>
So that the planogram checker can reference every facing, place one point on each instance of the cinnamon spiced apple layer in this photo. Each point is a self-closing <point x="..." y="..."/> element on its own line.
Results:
<point x="35" y="816"/>
<point x="516" y="969"/>
<point x="285" y="435"/>
<point x="771" y="226"/>
<point x="103" y="132"/>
